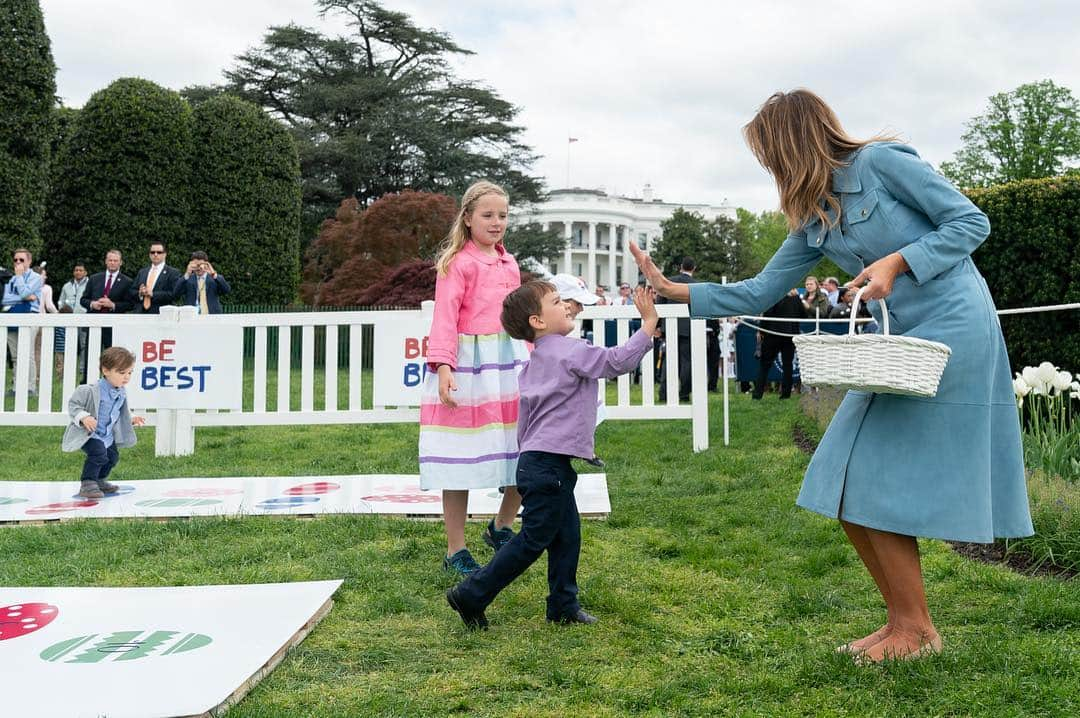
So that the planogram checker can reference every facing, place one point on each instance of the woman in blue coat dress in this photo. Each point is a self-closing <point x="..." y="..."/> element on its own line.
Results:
<point x="890" y="467"/>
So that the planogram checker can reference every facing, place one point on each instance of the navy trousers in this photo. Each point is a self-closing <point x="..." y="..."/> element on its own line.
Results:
<point x="99" y="460"/>
<point x="549" y="521"/>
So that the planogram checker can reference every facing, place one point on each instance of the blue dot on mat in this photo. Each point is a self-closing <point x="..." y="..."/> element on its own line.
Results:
<point x="287" y="502"/>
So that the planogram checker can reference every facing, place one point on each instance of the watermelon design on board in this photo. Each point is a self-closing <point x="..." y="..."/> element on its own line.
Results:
<point x="176" y="503"/>
<point x="124" y="646"/>
<point x="202" y="493"/>
<point x="403" y="499"/>
<point x="59" y="508"/>
<point x="21" y="619"/>
<point x="317" y="487"/>
<point x="287" y="502"/>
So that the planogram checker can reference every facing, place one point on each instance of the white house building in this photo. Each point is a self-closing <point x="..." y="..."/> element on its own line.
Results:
<point x="597" y="227"/>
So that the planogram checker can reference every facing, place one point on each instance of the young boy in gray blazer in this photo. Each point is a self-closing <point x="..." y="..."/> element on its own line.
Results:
<point x="101" y="422"/>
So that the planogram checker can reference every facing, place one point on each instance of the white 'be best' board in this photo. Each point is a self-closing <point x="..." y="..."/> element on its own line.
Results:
<point x="147" y="652"/>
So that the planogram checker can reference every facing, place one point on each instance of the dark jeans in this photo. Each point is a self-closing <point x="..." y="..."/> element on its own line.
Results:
<point x="550" y="521"/>
<point x="99" y="460"/>
<point x="712" y="359"/>
<point x="770" y="347"/>
<point x="684" y="372"/>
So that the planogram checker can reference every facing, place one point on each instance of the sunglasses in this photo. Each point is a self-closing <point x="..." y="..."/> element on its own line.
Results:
<point x="156" y="251"/>
<point x="19" y="260"/>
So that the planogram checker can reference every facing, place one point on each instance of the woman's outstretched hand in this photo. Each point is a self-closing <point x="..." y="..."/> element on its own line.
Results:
<point x="663" y="286"/>
<point x="879" y="276"/>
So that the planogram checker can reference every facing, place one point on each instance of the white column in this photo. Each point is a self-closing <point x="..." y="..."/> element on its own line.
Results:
<point x="568" y="260"/>
<point x="612" y="253"/>
<point x="629" y="271"/>
<point x="590" y="271"/>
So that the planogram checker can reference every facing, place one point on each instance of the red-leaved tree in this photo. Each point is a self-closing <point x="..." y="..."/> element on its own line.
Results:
<point x="357" y="251"/>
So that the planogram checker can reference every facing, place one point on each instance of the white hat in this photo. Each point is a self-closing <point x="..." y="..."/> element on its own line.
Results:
<point x="570" y="287"/>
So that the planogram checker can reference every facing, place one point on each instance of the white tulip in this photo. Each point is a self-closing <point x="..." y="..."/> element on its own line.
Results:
<point x="1031" y="376"/>
<point x="1046" y="372"/>
<point x="1062" y="380"/>
<point x="1020" y="387"/>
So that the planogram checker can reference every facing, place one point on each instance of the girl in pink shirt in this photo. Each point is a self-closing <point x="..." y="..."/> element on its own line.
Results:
<point x="469" y="409"/>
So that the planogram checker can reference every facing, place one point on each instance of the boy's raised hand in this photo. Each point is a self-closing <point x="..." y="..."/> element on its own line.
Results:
<point x="138" y="421"/>
<point x="90" y="423"/>
<point x="643" y="300"/>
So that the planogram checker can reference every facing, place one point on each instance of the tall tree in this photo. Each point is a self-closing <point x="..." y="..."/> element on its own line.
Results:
<point x="530" y="242"/>
<point x="717" y="246"/>
<point x="764" y="233"/>
<point x="27" y="96"/>
<point x="357" y="248"/>
<point x="1031" y="132"/>
<point x="245" y="200"/>
<point x="379" y="110"/>
<point x="123" y="175"/>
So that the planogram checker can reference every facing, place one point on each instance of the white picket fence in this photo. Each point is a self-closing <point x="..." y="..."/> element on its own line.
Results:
<point x="175" y="429"/>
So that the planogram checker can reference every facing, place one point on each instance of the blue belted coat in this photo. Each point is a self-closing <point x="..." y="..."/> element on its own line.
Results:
<point x="950" y="467"/>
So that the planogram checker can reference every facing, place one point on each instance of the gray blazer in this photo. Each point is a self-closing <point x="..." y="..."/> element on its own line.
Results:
<point x="85" y="402"/>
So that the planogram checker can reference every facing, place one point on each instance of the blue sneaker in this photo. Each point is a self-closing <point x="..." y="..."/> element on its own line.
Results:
<point x="461" y="562"/>
<point x="497" y="538"/>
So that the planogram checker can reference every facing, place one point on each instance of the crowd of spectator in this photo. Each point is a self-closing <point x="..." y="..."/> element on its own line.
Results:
<point x="109" y="291"/>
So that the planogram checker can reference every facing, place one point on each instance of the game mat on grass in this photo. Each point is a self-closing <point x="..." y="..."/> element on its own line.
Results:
<point x="388" y="494"/>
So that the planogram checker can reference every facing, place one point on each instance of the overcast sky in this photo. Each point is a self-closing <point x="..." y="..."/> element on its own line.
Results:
<point x="655" y="92"/>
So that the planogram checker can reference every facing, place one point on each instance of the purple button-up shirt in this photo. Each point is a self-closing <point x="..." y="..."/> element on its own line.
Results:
<point x="558" y="388"/>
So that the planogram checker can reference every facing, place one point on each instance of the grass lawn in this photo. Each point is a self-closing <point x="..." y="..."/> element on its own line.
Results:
<point x="717" y="596"/>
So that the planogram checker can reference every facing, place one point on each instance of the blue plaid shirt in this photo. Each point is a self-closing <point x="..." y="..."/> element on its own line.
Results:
<point x="112" y="401"/>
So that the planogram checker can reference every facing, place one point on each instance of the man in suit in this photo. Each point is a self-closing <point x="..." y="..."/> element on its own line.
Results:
<point x="685" y="276"/>
<point x="201" y="286"/>
<point x="154" y="284"/>
<point x="108" y="292"/>
<point x="780" y="343"/>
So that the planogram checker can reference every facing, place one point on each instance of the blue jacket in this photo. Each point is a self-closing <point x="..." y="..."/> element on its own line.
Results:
<point x="947" y="467"/>
<point x="188" y="290"/>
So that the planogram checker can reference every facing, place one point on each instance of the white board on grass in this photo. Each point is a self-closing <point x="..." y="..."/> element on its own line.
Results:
<point x="185" y="366"/>
<point x="392" y="494"/>
<point x="146" y="652"/>
<point x="401" y="361"/>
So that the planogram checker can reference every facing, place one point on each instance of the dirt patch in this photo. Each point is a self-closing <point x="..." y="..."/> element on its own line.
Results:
<point x="803" y="440"/>
<point x="996" y="553"/>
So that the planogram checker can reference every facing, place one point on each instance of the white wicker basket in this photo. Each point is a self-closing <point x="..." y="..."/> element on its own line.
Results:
<point x="880" y="363"/>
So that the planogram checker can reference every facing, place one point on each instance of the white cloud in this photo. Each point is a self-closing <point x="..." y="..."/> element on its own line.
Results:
<point x="655" y="92"/>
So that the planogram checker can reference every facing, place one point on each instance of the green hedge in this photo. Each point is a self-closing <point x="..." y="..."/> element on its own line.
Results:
<point x="27" y="95"/>
<point x="246" y="200"/>
<point x="122" y="177"/>
<point x="1033" y="258"/>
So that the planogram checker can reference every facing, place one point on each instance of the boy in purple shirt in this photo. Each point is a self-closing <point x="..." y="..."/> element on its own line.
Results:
<point x="556" y="421"/>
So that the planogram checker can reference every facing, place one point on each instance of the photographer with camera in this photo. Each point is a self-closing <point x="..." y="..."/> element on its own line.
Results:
<point x="22" y="295"/>
<point x="201" y="285"/>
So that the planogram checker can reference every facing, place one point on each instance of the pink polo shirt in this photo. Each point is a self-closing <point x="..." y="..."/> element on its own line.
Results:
<point x="468" y="300"/>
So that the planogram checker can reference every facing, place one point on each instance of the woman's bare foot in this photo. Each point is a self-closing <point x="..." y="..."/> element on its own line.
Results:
<point x="902" y="645"/>
<point x="866" y="641"/>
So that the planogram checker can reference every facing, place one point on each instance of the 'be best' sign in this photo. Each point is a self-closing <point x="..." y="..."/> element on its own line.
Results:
<point x="184" y="367"/>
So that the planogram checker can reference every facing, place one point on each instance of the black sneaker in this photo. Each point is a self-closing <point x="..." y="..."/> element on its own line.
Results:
<point x="497" y="538"/>
<point x="595" y="461"/>
<point x="473" y="619"/>
<point x="461" y="562"/>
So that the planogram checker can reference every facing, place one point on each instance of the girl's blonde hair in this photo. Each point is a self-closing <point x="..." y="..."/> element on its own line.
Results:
<point x="799" y="140"/>
<point x="459" y="233"/>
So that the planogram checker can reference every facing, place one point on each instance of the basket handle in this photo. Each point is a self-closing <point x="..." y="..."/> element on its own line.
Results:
<point x="855" y="311"/>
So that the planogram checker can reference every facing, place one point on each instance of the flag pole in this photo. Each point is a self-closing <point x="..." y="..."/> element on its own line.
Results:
<point x="569" y="141"/>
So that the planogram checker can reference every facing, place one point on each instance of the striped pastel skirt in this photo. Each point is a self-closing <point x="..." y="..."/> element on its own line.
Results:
<point x="473" y="446"/>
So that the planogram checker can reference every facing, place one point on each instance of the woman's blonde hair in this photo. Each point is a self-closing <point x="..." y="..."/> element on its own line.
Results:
<point x="459" y="232"/>
<point x="799" y="140"/>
